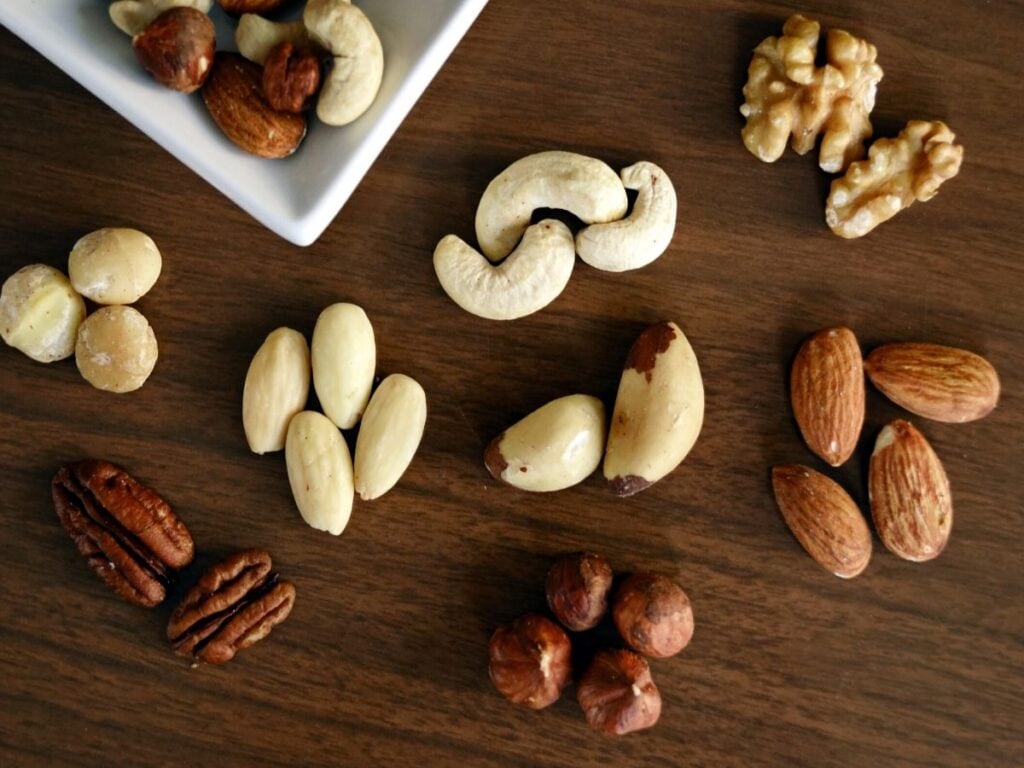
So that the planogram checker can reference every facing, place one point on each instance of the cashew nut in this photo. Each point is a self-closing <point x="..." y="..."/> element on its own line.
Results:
<point x="133" y="16"/>
<point x="352" y="83"/>
<point x="529" y="279"/>
<point x="256" y="37"/>
<point x="582" y="185"/>
<point x="644" y="235"/>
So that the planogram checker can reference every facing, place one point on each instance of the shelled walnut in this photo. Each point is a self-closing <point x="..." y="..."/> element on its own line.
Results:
<point x="896" y="173"/>
<point x="786" y="95"/>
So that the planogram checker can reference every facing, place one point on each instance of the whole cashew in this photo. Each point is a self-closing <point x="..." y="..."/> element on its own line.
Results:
<point x="256" y="37"/>
<point x="576" y="183"/>
<point x="529" y="279"/>
<point x="352" y="83"/>
<point x="644" y="235"/>
<point x="133" y="16"/>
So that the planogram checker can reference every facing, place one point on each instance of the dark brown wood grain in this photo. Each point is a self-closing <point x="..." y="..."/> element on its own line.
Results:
<point x="383" y="660"/>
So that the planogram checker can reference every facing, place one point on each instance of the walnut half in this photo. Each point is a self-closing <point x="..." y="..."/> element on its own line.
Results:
<point x="895" y="174"/>
<point x="786" y="95"/>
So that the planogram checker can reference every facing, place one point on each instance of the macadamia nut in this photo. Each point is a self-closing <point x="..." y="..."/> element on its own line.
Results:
<point x="114" y="265"/>
<point x="40" y="313"/>
<point x="116" y="349"/>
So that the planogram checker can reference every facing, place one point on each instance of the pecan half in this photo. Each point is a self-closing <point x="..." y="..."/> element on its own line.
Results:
<point x="129" y="536"/>
<point x="235" y="604"/>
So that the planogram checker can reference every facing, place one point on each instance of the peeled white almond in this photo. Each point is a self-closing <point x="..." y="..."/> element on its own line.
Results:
<point x="276" y="388"/>
<point x="344" y="359"/>
<point x="389" y="436"/>
<point x="319" y="472"/>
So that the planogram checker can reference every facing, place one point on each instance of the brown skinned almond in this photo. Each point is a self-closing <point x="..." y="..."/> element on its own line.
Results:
<point x="823" y="518"/>
<point x="827" y="393"/>
<point x="910" y="500"/>
<point x="234" y="97"/>
<point x="937" y="382"/>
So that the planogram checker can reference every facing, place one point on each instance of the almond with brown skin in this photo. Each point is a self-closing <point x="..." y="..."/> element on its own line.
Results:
<point x="934" y="381"/>
<point x="824" y="519"/>
<point x="827" y="393"/>
<point x="234" y="97"/>
<point x="910" y="500"/>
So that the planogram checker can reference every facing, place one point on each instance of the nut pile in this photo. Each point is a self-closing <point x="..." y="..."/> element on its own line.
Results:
<point x="659" y="411"/>
<point x="537" y="259"/>
<point x="531" y="657"/>
<point x="133" y="540"/>
<point x="908" y="489"/>
<point x="332" y="57"/>
<point x="342" y="360"/>
<point x="786" y="95"/>
<point x="43" y="314"/>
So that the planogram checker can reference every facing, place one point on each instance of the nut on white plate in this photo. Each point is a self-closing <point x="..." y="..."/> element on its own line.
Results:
<point x="40" y="313"/>
<point x="584" y="186"/>
<point x="658" y="413"/>
<point x="319" y="471"/>
<point x="641" y="237"/>
<point x="133" y="16"/>
<point x="276" y="388"/>
<point x="344" y="357"/>
<point x="555" y="447"/>
<point x="389" y="435"/>
<point x="114" y="265"/>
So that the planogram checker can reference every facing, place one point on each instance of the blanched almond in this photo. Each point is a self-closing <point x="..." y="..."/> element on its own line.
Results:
<point x="389" y="435"/>
<point x="344" y="360"/>
<point x="276" y="388"/>
<point x="319" y="472"/>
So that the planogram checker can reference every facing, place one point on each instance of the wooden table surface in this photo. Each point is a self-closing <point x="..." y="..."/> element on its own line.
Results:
<point x="384" y="659"/>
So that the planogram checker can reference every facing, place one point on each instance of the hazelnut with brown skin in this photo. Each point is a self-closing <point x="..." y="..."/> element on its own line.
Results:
<point x="653" y="615"/>
<point x="617" y="694"/>
<point x="530" y="661"/>
<point x="577" y="589"/>
<point x="177" y="48"/>
<point x="291" y="77"/>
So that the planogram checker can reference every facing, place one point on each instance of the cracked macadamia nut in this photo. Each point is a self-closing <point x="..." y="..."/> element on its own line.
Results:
<point x="114" y="265"/>
<point x="40" y="313"/>
<point x="617" y="694"/>
<point x="653" y="615"/>
<point x="577" y="589"/>
<point x="116" y="349"/>
<point x="530" y="661"/>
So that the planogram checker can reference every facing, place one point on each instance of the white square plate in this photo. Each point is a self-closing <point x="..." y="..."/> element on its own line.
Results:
<point x="296" y="197"/>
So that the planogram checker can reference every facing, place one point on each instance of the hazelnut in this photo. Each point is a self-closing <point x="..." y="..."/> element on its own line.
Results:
<point x="177" y="48"/>
<point x="617" y="694"/>
<point x="530" y="662"/>
<point x="577" y="588"/>
<point x="653" y="615"/>
<point x="291" y="77"/>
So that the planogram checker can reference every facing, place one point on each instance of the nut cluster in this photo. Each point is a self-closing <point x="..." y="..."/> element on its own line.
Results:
<point x="531" y="658"/>
<point x="342" y="364"/>
<point x="787" y="95"/>
<point x="908" y="489"/>
<point x="133" y="540"/>
<point x="43" y="314"/>
<point x="659" y="411"/>
<point x="258" y="100"/>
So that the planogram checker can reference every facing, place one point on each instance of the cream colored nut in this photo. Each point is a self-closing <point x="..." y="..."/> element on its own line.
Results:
<point x="344" y="359"/>
<point x="786" y="95"/>
<point x="276" y="388"/>
<point x="389" y="435"/>
<point x="40" y="313"/>
<point x="116" y="349"/>
<point x="256" y="36"/>
<point x="896" y="173"/>
<point x="319" y="472"/>
<point x="555" y="447"/>
<point x="133" y="16"/>
<point x="353" y="80"/>
<point x="528" y="280"/>
<point x="658" y="412"/>
<point x="582" y="185"/>
<point x="641" y="237"/>
<point x="114" y="265"/>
